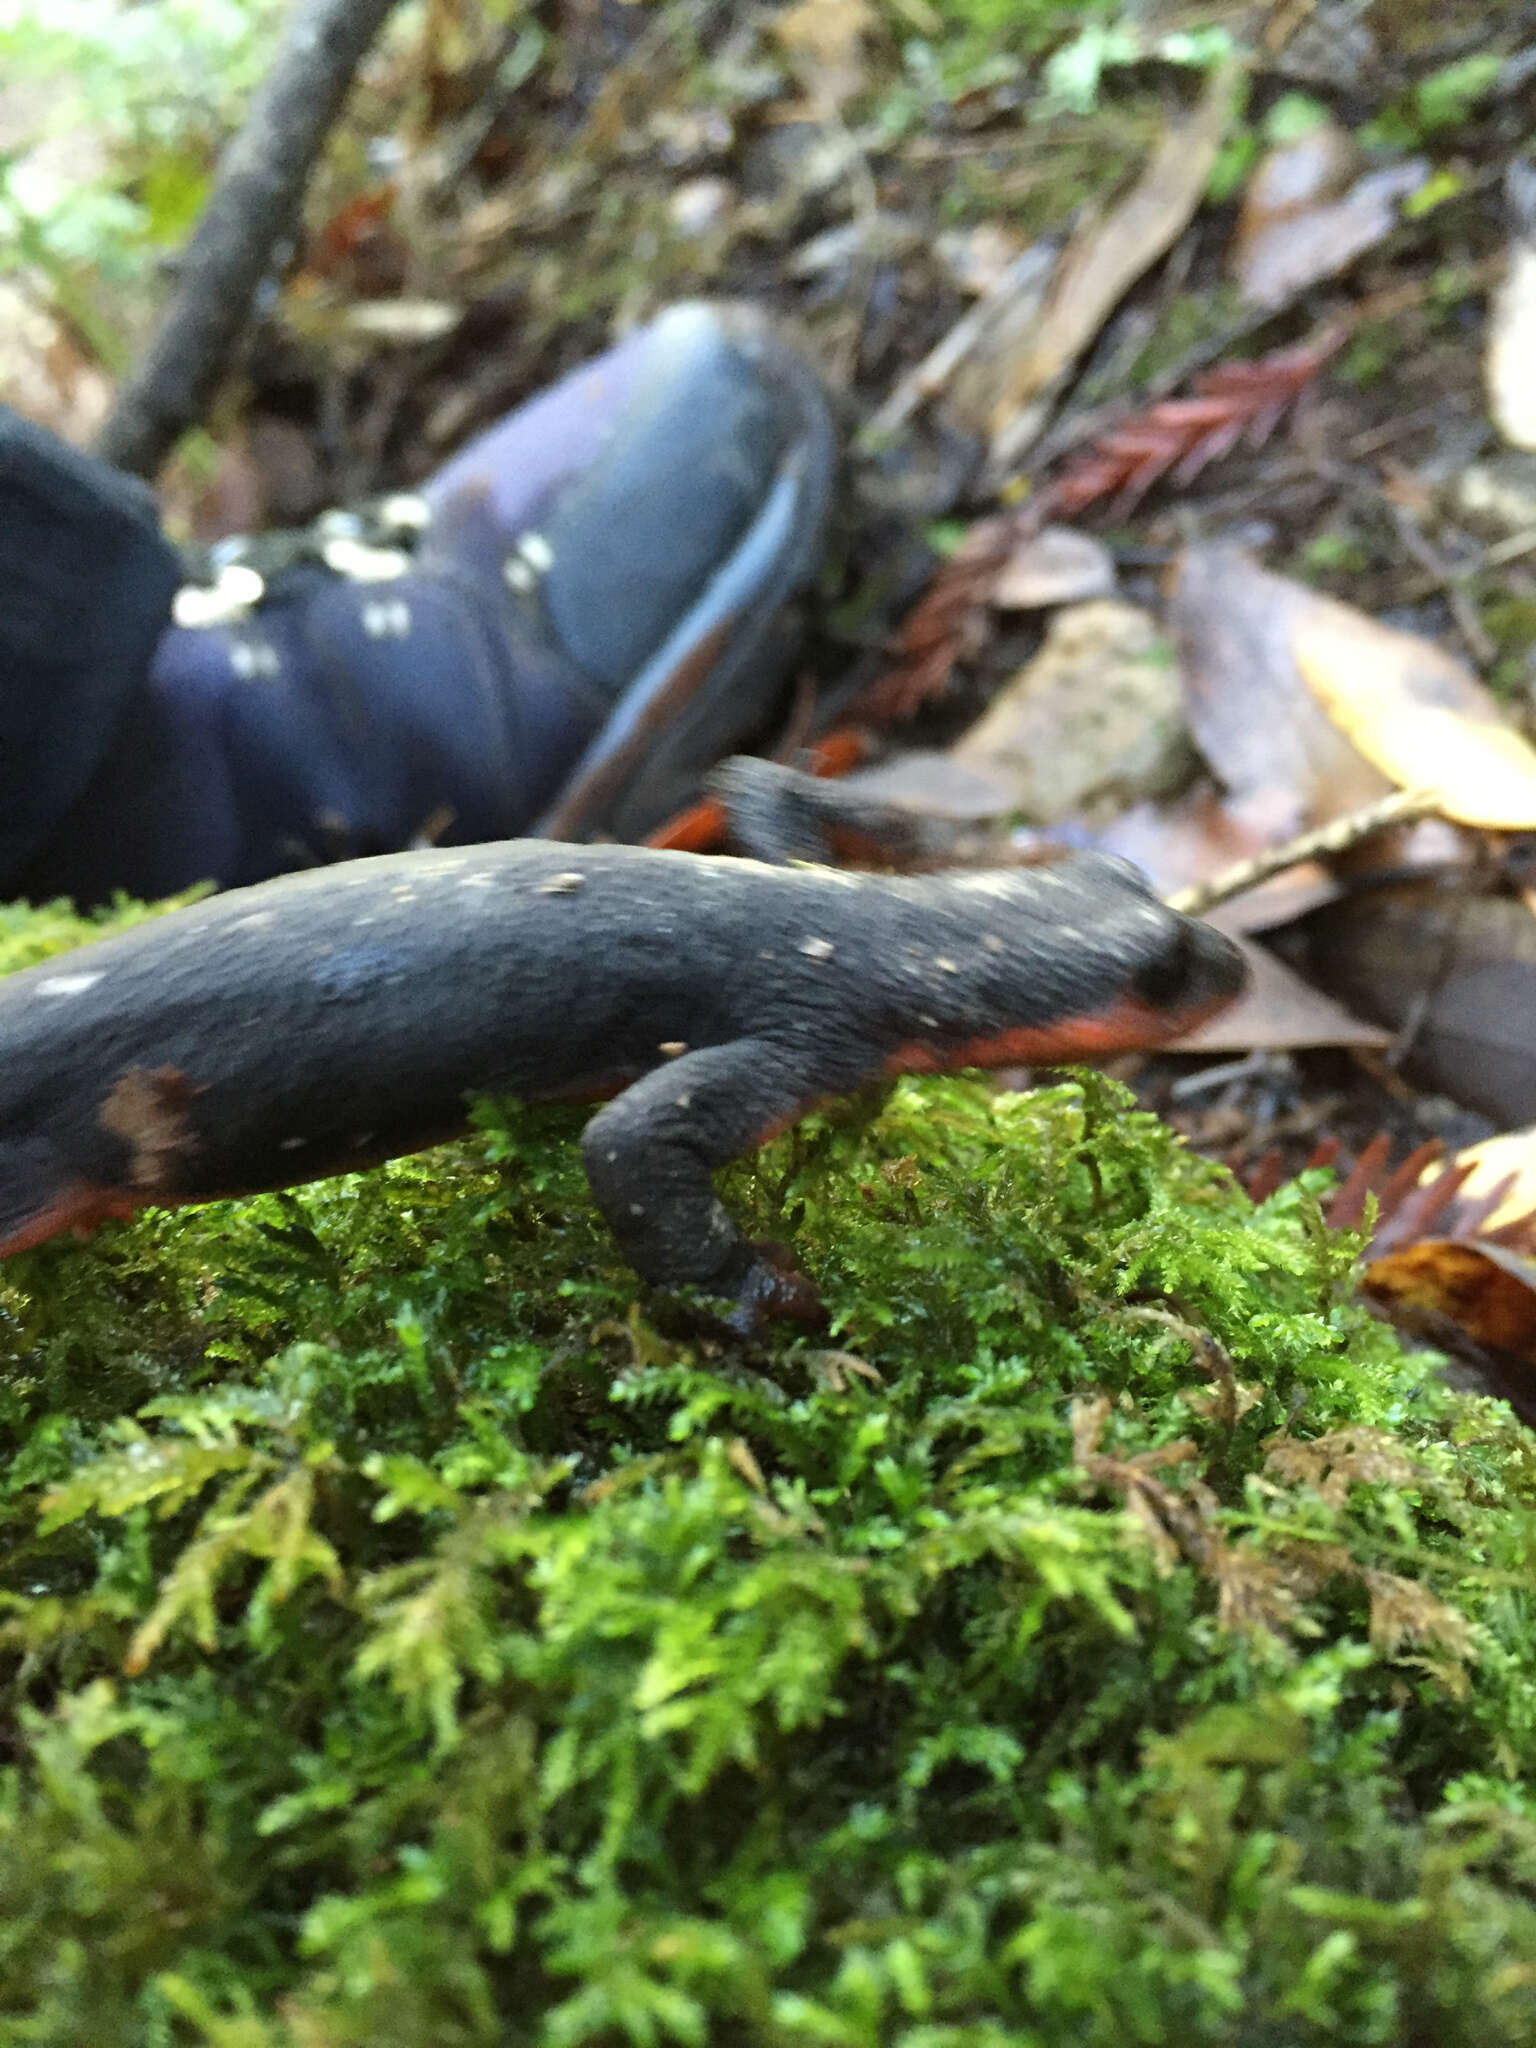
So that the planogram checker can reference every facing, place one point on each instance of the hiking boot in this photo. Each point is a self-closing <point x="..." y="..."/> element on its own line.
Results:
<point x="582" y="611"/>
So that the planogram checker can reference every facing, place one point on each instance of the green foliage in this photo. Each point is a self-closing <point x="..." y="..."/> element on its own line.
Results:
<point x="408" y="1641"/>
<point x="1447" y="98"/>
<point x="129" y="106"/>
<point x="1075" y="72"/>
<point x="29" y="936"/>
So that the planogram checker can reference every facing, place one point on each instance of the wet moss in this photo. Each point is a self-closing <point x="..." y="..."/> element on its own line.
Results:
<point x="411" y="1634"/>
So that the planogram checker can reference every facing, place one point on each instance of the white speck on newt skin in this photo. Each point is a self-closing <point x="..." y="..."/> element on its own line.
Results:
<point x="992" y="943"/>
<point x="817" y="949"/>
<point x="672" y="1048"/>
<point x="562" y="884"/>
<point x="402" y="894"/>
<point x="637" y="1208"/>
<point x="944" y="965"/>
<point x="483" y="880"/>
<point x="684" y="1102"/>
<point x="292" y="1144"/>
<point x="67" y="984"/>
<point x="929" y="1023"/>
<point x="253" y="917"/>
<point x="1151" y="916"/>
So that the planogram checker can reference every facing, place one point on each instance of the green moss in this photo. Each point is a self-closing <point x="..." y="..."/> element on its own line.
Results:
<point x="407" y="1641"/>
<point x="1371" y="353"/>
<point x="1511" y="623"/>
<point x="1334" y="552"/>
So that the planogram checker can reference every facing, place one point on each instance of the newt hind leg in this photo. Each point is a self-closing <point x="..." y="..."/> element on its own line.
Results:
<point x="650" y="1155"/>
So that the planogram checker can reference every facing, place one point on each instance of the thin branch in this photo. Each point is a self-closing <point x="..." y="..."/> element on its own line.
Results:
<point x="255" y="200"/>
<point x="1403" y="807"/>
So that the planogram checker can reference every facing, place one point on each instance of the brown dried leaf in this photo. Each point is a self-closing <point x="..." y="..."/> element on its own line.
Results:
<point x="1054" y="566"/>
<point x="1403" y="1611"/>
<point x="1332" y="1463"/>
<point x="1298" y="223"/>
<point x="1457" y="968"/>
<point x="1486" y="1290"/>
<point x="1279" y="1012"/>
<point x="1286" y="764"/>
<point x="1106" y="259"/>
<point x="824" y="40"/>
<point x="1180" y="437"/>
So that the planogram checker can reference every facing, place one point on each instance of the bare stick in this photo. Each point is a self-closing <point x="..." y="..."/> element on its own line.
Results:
<point x="1403" y="807"/>
<point x="255" y="199"/>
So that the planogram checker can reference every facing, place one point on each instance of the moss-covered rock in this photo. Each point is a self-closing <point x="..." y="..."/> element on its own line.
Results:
<point x="406" y="1642"/>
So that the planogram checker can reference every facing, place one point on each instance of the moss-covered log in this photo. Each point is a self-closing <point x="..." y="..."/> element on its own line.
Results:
<point x="407" y="1640"/>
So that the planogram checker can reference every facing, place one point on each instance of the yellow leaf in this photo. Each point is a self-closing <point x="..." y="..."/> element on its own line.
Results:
<point x="1418" y="716"/>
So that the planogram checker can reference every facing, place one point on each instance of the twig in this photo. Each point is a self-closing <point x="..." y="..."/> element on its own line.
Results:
<point x="1023" y="280"/>
<point x="1327" y="842"/>
<point x="255" y="197"/>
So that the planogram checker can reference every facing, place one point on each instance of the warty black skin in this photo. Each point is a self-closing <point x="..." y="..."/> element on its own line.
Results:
<point x="323" y="1021"/>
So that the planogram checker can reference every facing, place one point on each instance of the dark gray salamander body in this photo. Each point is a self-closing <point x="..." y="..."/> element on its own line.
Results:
<point x="324" y="1021"/>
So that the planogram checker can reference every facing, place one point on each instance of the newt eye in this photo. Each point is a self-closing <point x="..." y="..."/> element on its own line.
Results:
<point x="1163" y="980"/>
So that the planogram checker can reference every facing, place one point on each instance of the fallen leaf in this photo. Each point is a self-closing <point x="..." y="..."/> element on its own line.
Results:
<point x="1487" y="1291"/>
<point x="1417" y="714"/>
<point x="1454" y="969"/>
<point x="1278" y="1012"/>
<point x="1179" y="844"/>
<point x="933" y="782"/>
<point x="1511" y="345"/>
<point x="1106" y="259"/>
<point x="824" y="40"/>
<point x="1440" y="1266"/>
<point x="1094" y="718"/>
<point x="1285" y="763"/>
<point x="1301" y="220"/>
<point x="967" y="363"/>
<point x="1503" y="1169"/>
<point x="1055" y="566"/>
<point x="1175" y="438"/>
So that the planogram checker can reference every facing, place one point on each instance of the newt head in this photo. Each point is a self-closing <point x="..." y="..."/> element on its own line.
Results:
<point x="1117" y="971"/>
